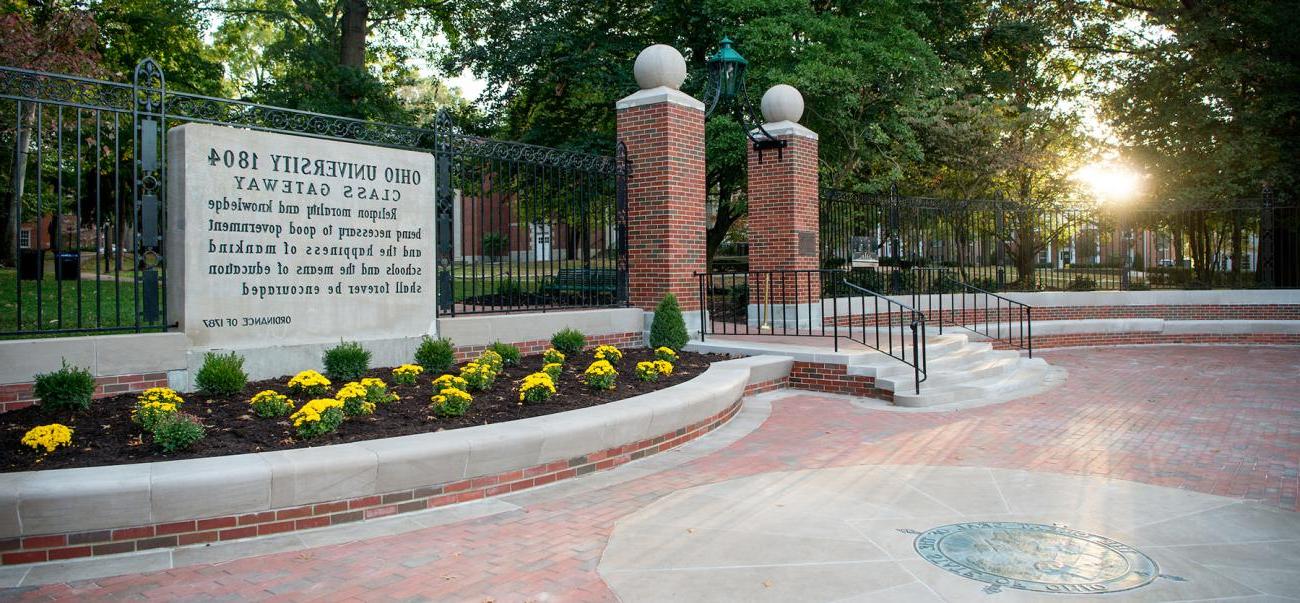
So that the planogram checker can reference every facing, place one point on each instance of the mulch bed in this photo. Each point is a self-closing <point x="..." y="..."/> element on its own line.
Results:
<point x="105" y="435"/>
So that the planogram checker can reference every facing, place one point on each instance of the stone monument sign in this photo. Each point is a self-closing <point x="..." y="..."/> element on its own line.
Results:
<point x="275" y="239"/>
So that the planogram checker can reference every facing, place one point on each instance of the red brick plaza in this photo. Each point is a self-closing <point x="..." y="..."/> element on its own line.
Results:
<point x="1217" y="420"/>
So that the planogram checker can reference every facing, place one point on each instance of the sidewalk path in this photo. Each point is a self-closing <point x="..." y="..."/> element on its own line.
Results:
<point x="1215" y="420"/>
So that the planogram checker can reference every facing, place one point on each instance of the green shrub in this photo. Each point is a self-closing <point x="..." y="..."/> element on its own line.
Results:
<point x="177" y="431"/>
<point x="569" y="341"/>
<point x="510" y="289"/>
<point x="1082" y="283"/>
<point x="221" y="375"/>
<point x="668" y="330"/>
<point x="435" y="355"/>
<point x="495" y="244"/>
<point x="346" y="361"/>
<point x="69" y="387"/>
<point x="509" y="354"/>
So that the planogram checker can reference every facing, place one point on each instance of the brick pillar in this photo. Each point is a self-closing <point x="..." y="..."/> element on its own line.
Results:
<point x="783" y="228"/>
<point x="664" y="132"/>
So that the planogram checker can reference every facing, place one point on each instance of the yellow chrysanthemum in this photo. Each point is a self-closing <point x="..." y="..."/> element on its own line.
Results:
<point x="447" y="381"/>
<point x="313" y="410"/>
<point x="48" y="437"/>
<point x="536" y="387"/>
<point x="608" y="352"/>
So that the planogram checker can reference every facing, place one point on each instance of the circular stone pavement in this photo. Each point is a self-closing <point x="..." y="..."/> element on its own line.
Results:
<point x="902" y="533"/>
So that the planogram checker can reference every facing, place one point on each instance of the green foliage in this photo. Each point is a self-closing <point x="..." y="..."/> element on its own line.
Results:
<point x="569" y="341"/>
<point x="329" y="422"/>
<point x="509" y="354"/>
<point x="346" y="361"/>
<point x="221" y="374"/>
<point x="1082" y="283"/>
<point x="510" y="289"/>
<point x="1209" y="107"/>
<point x="70" y="388"/>
<point x="495" y="244"/>
<point x="668" y="329"/>
<point x="171" y="32"/>
<point x="270" y="404"/>
<point x="435" y="355"/>
<point x="553" y="356"/>
<point x="451" y="402"/>
<point x="177" y="431"/>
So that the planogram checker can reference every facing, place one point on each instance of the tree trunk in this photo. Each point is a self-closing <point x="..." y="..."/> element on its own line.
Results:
<point x="714" y="236"/>
<point x="11" y="217"/>
<point x="1178" y="245"/>
<point x="1236" y="248"/>
<point x="352" y="49"/>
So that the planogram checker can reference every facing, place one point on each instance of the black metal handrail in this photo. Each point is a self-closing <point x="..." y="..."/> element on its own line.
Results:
<point x="785" y="303"/>
<point x="895" y="314"/>
<point x="978" y="310"/>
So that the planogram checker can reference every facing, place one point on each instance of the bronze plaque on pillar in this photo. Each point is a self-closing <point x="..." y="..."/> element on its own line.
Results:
<point x="807" y="244"/>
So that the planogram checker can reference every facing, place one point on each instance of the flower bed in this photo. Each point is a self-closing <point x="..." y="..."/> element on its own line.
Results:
<point x="106" y="435"/>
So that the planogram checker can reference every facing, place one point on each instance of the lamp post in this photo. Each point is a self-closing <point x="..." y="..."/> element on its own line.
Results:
<point x="726" y="89"/>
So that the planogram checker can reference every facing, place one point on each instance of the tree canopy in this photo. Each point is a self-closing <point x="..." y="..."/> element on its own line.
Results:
<point x="950" y="98"/>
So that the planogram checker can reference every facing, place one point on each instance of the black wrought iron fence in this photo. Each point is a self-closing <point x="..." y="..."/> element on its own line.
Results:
<point x="1002" y="245"/>
<point x="529" y="228"/>
<point x="948" y="301"/>
<point x="83" y="205"/>
<point x="811" y="303"/>
<point x="79" y="238"/>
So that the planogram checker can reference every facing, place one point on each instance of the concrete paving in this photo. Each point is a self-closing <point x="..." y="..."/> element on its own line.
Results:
<point x="849" y="533"/>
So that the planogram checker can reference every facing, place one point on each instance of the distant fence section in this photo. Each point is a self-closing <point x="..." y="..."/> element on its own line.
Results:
<point x="1002" y="245"/>
<point x="83" y="177"/>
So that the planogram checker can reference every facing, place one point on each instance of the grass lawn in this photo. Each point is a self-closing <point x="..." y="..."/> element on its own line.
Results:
<point x="85" y="304"/>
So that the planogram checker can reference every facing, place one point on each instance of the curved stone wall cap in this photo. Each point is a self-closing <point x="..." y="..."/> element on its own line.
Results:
<point x="96" y="498"/>
<point x="659" y="65"/>
<point x="782" y="102"/>
<point x="662" y="94"/>
<point x="786" y="128"/>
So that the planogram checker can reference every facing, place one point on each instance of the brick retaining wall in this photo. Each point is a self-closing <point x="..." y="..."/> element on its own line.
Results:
<point x="1102" y="339"/>
<point x="14" y="396"/>
<point x="835" y="379"/>
<point x="622" y="340"/>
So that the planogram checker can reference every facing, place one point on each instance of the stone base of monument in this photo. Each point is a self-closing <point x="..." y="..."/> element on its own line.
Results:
<point x="271" y="361"/>
<point x="783" y="318"/>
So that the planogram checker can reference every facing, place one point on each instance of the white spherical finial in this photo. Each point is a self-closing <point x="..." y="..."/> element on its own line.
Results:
<point x="782" y="102"/>
<point x="659" y="65"/>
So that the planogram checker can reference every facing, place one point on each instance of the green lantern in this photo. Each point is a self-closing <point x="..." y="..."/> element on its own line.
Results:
<point x="727" y="69"/>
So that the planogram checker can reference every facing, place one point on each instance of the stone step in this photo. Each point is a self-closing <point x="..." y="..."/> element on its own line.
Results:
<point x="949" y="363"/>
<point x="1026" y="379"/>
<point x="937" y="379"/>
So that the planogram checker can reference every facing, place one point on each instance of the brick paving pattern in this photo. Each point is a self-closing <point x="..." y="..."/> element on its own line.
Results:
<point x="1219" y="420"/>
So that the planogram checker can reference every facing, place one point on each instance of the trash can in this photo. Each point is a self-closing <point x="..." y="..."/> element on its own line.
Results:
<point x="30" y="263"/>
<point x="67" y="266"/>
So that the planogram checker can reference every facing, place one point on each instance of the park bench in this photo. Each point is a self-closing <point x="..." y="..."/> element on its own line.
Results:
<point x="601" y="281"/>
